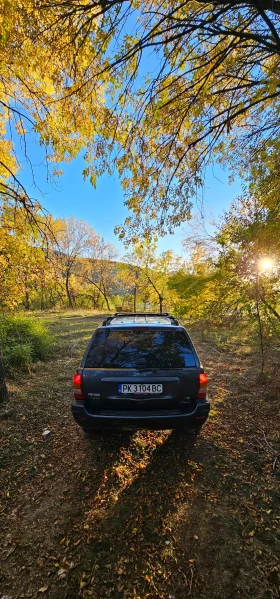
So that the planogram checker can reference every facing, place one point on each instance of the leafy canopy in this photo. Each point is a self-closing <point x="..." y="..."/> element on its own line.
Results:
<point x="155" y="89"/>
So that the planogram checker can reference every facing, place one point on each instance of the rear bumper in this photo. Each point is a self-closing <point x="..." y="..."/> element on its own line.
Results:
<point x="90" y="421"/>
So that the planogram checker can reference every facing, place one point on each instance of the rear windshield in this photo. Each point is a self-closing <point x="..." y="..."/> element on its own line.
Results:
<point x="140" y="348"/>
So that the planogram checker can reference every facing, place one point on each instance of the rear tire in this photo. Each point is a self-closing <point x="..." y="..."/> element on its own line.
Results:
<point x="195" y="431"/>
<point x="92" y="434"/>
<point x="190" y="431"/>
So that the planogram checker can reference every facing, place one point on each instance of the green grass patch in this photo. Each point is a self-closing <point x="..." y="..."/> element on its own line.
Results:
<point x="23" y="341"/>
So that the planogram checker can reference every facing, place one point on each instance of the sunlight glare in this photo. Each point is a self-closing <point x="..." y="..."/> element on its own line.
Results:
<point x="266" y="265"/>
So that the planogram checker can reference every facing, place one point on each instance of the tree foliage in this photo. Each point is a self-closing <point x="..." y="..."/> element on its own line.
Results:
<point x="99" y="271"/>
<point x="149" y="274"/>
<point x="43" y="90"/>
<point x="239" y="279"/>
<point x="155" y="89"/>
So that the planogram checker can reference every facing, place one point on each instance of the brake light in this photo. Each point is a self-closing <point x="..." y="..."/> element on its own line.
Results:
<point x="202" y="385"/>
<point x="78" y="386"/>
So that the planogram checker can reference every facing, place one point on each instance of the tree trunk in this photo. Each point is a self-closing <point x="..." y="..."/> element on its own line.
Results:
<point x="160" y="297"/>
<point x="3" y="387"/>
<point x="42" y="305"/>
<point x="105" y="295"/>
<point x="259" y="322"/>
<point x="101" y="288"/>
<point x="69" y="296"/>
<point x="106" y="300"/>
<point x="135" y="291"/>
<point x="27" y="300"/>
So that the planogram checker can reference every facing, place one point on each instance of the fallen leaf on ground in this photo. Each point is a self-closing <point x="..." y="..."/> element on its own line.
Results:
<point x="61" y="573"/>
<point x="83" y="584"/>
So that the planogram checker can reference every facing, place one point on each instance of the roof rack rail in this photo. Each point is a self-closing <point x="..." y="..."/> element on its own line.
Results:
<point x="131" y="314"/>
<point x="142" y="314"/>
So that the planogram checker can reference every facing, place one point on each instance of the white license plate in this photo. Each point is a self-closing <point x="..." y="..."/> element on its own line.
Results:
<point x="143" y="388"/>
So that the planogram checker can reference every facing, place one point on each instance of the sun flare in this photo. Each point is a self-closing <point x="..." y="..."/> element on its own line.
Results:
<point x="266" y="265"/>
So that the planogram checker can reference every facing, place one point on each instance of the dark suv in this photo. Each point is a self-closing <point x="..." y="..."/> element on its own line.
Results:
<point x="140" y="370"/>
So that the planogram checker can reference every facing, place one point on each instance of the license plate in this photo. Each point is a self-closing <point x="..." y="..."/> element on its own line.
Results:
<point x="141" y="388"/>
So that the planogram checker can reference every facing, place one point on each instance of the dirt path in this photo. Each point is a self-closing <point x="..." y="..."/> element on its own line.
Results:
<point x="140" y="515"/>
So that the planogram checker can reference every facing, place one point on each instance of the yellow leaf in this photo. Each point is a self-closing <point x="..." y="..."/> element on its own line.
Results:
<point x="43" y="589"/>
<point x="252" y="533"/>
<point x="83" y="584"/>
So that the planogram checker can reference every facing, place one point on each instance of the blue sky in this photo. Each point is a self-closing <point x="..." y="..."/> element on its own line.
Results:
<point x="103" y="207"/>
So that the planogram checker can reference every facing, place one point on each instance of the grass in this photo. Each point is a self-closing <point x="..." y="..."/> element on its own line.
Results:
<point x="23" y="341"/>
<point x="144" y="515"/>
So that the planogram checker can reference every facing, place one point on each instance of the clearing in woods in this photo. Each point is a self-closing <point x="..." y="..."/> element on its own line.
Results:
<point x="140" y="514"/>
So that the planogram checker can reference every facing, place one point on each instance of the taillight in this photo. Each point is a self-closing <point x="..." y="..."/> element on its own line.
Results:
<point x="78" y="386"/>
<point x="202" y="385"/>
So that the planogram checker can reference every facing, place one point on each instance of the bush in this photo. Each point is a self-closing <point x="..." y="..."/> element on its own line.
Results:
<point x="18" y="356"/>
<point x="23" y="340"/>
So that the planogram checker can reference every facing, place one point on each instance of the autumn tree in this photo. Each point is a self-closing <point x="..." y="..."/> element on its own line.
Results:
<point x="210" y="90"/>
<point x="195" y="282"/>
<point x="74" y="239"/>
<point x="38" y="68"/>
<point x="23" y="256"/>
<point x="131" y="281"/>
<point x="150" y="273"/>
<point x="238" y="280"/>
<point x="99" y="270"/>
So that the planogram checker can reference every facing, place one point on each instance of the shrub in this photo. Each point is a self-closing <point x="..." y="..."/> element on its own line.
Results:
<point x="23" y="340"/>
<point x="18" y="356"/>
